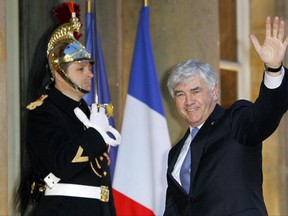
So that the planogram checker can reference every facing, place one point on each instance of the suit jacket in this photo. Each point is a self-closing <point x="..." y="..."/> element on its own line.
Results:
<point x="58" y="142"/>
<point x="226" y="167"/>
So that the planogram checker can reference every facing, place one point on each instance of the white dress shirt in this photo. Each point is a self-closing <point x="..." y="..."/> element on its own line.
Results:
<point x="274" y="82"/>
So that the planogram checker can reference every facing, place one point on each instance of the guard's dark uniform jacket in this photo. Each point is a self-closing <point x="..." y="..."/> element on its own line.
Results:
<point x="58" y="142"/>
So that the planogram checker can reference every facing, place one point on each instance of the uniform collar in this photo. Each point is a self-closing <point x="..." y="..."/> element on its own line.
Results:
<point x="66" y="103"/>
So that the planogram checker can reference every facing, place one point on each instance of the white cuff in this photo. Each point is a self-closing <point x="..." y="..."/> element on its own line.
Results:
<point x="272" y="82"/>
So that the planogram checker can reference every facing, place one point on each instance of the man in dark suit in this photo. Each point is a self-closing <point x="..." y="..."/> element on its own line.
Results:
<point x="218" y="171"/>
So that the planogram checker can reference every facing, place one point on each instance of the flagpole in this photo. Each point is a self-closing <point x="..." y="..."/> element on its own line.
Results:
<point x="96" y="54"/>
<point x="89" y="10"/>
<point x="145" y="3"/>
<point x="88" y="6"/>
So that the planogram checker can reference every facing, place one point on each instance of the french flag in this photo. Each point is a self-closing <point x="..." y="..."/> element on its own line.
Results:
<point x="139" y="183"/>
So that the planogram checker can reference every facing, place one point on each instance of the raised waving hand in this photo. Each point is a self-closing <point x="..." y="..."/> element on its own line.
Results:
<point x="272" y="51"/>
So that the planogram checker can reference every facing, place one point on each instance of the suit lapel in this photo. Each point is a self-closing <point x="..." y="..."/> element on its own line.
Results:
<point x="197" y="147"/>
<point x="175" y="151"/>
<point x="199" y="142"/>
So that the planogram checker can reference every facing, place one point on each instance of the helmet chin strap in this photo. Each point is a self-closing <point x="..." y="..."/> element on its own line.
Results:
<point x="70" y="82"/>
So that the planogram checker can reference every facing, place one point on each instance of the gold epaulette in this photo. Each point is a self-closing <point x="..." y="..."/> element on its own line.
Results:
<point x="36" y="103"/>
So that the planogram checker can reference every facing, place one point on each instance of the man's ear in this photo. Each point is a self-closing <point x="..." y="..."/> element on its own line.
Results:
<point x="57" y="75"/>
<point x="58" y="78"/>
<point x="215" y="92"/>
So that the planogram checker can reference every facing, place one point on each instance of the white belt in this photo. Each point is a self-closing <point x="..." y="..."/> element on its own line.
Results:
<point x="74" y="190"/>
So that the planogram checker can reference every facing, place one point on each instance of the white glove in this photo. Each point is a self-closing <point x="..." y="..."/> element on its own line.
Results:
<point x="99" y="121"/>
<point x="98" y="117"/>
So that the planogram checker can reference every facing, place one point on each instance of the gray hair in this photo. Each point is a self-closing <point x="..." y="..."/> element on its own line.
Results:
<point x="185" y="71"/>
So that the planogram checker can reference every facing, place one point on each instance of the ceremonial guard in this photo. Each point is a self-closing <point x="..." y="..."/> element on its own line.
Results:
<point x="67" y="142"/>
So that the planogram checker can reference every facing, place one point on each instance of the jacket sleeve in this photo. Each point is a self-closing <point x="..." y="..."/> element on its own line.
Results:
<point x="252" y="123"/>
<point x="60" y="145"/>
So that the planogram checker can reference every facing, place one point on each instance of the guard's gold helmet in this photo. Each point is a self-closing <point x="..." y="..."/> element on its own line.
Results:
<point x="64" y="48"/>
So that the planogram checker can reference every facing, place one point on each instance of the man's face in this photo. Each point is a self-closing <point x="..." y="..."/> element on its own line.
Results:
<point x="195" y="101"/>
<point x="80" y="73"/>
